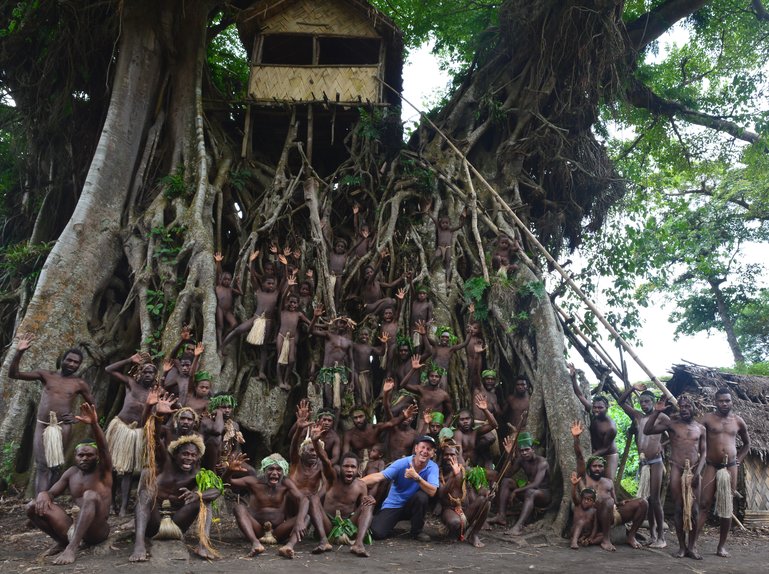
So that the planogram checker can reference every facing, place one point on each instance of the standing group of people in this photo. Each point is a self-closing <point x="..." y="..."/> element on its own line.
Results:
<point x="703" y="463"/>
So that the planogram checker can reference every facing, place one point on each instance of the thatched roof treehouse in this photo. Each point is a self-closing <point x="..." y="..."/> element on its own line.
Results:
<point x="750" y="395"/>
<point x="316" y="62"/>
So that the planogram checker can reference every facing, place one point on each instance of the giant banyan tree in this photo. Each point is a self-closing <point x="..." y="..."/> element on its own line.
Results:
<point x="138" y="156"/>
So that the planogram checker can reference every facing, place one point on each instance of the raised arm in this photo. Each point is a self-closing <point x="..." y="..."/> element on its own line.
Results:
<point x="328" y="469"/>
<point x="577" y="391"/>
<point x="25" y="342"/>
<point x="302" y="422"/>
<point x="461" y="223"/>
<point x="389" y="385"/>
<point x="88" y="416"/>
<point x="653" y="424"/>
<point x="627" y="405"/>
<point x="491" y="422"/>
<point x="576" y="430"/>
<point x="114" y="368"/>
<point x="407" y="412"/>
<point x="574" y="491"/>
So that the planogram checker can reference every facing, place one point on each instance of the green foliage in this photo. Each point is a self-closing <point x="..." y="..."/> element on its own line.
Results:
<point x="475" y="289"/>
<point x="623" y="422"/>
<point x="19" y="14"/>
<point x="168" y="242"/>
<point x="228" y="62"/>
<point x="534" y="289"/>
<point x="371" y="122"/>
<point x="7" y="458"/>
<point x="156" y="305"/>
<point x="174" y="185"/>
<point x="24" y="259"/>
<point x="760" y="369"/>
<point x="460" y="29"/>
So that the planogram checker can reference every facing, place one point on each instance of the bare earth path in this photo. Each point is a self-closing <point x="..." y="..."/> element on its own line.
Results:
<point x="21" y="549"/>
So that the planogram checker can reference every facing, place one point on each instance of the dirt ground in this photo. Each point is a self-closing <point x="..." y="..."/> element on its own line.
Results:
<point x="534" y="552"/>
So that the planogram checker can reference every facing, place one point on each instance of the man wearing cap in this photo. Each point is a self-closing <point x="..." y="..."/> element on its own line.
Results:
<point x="414" y="482"/>
<point x="536" y="491"/>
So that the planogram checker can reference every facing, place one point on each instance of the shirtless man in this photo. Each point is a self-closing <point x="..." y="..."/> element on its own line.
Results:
<point x="363" y="435"/>
<point x="56" y="402"/>
<point x="201" y="393"/>
<point x="488" y="445"/>
<point x="431" y="396"/>
<point x="176" y="483"/>
<point x="90" y="485"/>
<point x="259" y="327"/>
<point x="687" y="458"/>
<point x="723" y="427"/>
<point x="609" y="512"/>
<point x="288" y="331"/>
<point x="440" y="353"/>
<point x="338" y="364"/>
<point x="401" y="437"/>
<point x="466" y="436"/>
<point x="363" y="383"/>
<point x="517" y="402"/>
<point x="602" y="428"/>
<point x="307" y="474"/>
<point x="421" y="314"/>
<point x="177" y="374"/>
<point x="225" y="299"/>
<point x="650" y="455"/>
<point x="372" y="289"/>
<point x="444" y="238"/>
<point x="475" y="350"/>
<point x="125" y="435"/>
<point x="221" y="432"/>
<point x="347" y="495"/>
<point x="536" y="492"/>
<point x="270" y="493"/>
<point x="455" y="499"/>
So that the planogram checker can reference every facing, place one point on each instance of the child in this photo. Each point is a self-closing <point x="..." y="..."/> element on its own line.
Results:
<point x="584" y="531"/>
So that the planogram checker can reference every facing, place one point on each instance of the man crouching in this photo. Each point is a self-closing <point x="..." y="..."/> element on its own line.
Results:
<point x="90" y="484"/>
<point x="176" y="484"/>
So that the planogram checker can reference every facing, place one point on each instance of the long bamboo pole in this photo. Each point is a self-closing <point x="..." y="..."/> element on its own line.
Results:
<point x="541" y="248"/>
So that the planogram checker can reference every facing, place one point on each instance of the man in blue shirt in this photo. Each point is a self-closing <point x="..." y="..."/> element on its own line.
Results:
<point x="414" y="481"/>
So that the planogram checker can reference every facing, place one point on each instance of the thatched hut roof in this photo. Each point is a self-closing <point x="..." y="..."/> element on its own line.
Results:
<point x="750" y="395"/>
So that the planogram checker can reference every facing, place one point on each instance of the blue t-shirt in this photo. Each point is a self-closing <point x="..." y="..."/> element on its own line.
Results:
<point x="403" y="488"/>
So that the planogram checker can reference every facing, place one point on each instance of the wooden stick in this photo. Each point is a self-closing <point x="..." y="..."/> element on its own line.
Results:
<point x="534" y="241"/>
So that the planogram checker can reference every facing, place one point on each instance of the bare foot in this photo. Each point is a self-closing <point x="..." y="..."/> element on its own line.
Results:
<point x="359" y="551"/>
<point x="284" y="386"/>
<point x="138" y="555"/>
<point x="574" y="546"/>
<point x="203" y="553"/>
<point x="632" y="542"/>
<point x="516" y="531"/>
<point x="659" y="543"/>
<point x="123" y="513"/>
<point x="680" y="554"/>
<point x="322" y="547"/>
<point x="608" y="546"/>
<point x="475" y="541"/>
<point x="66" y="557"/>
<point x="256" y="550"/>
<point x="722" y="552"/>
<point x="497" y="519"/>
<point x="693" y="554"/>
<point x="54" y="550"/>
<point x="286" y="552"/>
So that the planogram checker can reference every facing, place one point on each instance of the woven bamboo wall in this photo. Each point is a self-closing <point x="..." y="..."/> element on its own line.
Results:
<point x="756" y="483"/>
<point x="301" y="83"/>
<point x="320" y="17"/>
